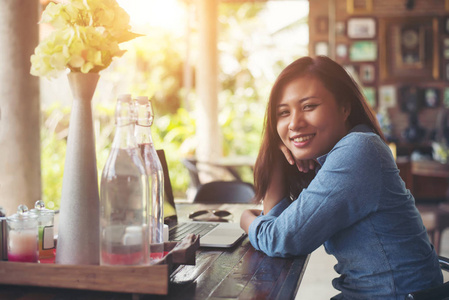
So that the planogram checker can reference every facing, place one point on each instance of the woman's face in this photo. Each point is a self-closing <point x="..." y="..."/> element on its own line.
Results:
<point x="309" y="120"/>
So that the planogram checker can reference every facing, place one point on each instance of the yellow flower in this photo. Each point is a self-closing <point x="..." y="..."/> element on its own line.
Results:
<point x="51" y="55"/>
<point x="86" y="37"/>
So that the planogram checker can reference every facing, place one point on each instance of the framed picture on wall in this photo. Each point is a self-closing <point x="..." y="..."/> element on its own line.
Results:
<point x="409" y="99"/>
<point x="446" y="48"/>
<point x="409" y="48"/>
<point x="370" y="95"/>
<point x="340" y="28"/>
<point x="359" y="6"/>
<point x="367" y="73"/>
<point x="363" y="51"/>
<point x="411" y="45"/>
<point x="341" y="51"/>
<point x="362" y="28"/>
<point x="446" y="98"/>
<point x="387" y="96"/>
<point x="431" y="97"/>
<point x="322" y="25"/>
<point x="322" y="48"/>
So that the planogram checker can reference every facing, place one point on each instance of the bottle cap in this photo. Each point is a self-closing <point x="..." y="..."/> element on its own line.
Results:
<point x="142" y="100"/>
<point x="124" y="98"/>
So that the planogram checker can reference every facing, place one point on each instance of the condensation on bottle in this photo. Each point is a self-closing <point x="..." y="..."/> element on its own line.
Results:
<point x="124" y="222"/>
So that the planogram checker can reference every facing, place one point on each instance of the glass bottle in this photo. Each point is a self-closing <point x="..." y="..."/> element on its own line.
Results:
<point x="124" y="231"/>
<point x="144" y="120"/>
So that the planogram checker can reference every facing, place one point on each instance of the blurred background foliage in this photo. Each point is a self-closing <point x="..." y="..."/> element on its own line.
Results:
<point x="154" y="66"/>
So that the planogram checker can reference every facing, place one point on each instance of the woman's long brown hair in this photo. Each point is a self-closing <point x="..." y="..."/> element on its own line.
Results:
<point x="345" y="90"/>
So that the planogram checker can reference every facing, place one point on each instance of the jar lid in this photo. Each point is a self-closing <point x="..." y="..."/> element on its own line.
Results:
<point x="22" y="215"/>
<point x="40" y="210"/>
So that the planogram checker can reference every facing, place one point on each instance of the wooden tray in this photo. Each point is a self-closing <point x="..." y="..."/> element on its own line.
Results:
<point x="133" y="279"/>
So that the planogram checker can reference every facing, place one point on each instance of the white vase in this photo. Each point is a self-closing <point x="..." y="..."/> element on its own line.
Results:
<point x="78" y="227"/>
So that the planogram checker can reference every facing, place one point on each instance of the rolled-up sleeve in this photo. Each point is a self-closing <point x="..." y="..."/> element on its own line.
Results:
<point x="272" y="214"/>
<point x="345" y="190"/>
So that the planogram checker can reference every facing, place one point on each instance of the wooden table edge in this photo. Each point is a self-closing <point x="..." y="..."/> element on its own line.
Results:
<point x="287" y="291"/>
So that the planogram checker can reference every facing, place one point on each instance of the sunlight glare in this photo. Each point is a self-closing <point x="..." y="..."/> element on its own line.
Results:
<point x="167" y="14"/>
<point x="279" y="14"/>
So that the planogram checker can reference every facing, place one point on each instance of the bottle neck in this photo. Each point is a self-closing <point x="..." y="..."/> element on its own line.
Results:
<point x="124" y="126"/>
<point x="144" y="120"/>
<point x="143" y="134"/>
<point x="124" y="136"/>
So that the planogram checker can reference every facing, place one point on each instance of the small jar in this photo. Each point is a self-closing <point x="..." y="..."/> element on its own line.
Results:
<point x="46" y="234"/>
<point x="22" y="236"/>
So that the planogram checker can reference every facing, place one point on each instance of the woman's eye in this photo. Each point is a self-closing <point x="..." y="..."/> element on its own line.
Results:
<point x="282" y="113"/>
<point x="309" y="106"/>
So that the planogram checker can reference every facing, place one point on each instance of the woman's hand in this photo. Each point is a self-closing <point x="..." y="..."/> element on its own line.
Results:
<point x="248" y="217"/>
<point x="302" y="165"/>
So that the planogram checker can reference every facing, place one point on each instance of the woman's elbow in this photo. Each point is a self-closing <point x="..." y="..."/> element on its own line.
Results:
<point x="284" y="249"/>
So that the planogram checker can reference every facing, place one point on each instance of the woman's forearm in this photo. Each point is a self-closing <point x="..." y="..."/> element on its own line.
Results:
<point x="276" y="190"/>
<point x="248" y="216"/>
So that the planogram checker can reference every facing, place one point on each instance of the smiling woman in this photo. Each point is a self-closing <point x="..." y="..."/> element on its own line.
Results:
<point x="354" y="202"/>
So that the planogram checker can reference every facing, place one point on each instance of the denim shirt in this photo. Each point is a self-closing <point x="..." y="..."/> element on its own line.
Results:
<point x="359" y="207"/>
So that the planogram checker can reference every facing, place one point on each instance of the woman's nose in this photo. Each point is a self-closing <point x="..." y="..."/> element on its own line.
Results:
<point x="297" y="121"/>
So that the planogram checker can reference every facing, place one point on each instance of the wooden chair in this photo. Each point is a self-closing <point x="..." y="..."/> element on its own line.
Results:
<point x="170" y="216"/>
<point x="436" y="219"/>
<point x="434" y="211"/>
<point x="437" y="293"/>
<point x="194" y="168"/>
<point x="225" y="192"/>
<point x="191" y="166"/>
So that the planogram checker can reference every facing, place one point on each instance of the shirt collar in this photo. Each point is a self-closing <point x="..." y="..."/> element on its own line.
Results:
<point x="357" y="128"/>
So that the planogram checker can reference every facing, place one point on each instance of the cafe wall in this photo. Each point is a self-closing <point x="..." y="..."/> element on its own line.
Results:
<point x="398" y="50"/>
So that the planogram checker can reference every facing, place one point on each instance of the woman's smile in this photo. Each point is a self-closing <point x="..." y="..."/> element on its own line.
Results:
<point x="302" y="140"/>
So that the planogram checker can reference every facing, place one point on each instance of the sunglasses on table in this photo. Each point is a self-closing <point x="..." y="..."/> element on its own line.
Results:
<point x="222" y="215"/>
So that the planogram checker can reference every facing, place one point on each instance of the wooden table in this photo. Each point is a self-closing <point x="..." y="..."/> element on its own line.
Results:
<point x="237" y="273"/>
<point x="427" y="179"/>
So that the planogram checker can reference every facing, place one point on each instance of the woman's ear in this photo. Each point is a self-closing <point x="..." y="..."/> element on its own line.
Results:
<point x="346" y="109"/>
